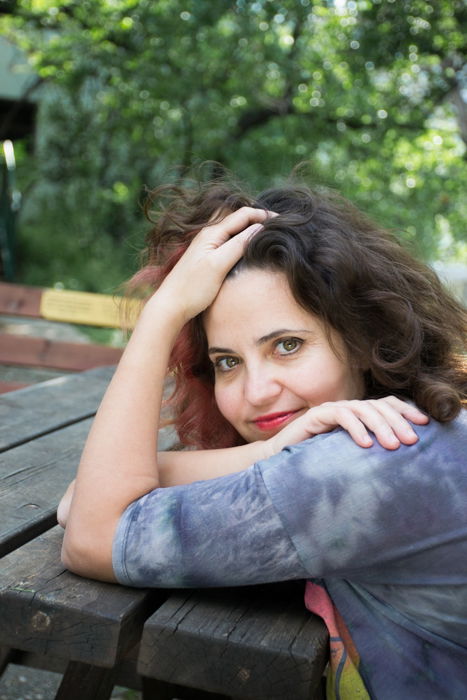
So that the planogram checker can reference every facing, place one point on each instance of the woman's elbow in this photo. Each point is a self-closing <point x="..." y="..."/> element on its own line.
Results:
<point x="69" y="558"/>
<point x="88" y="559"/>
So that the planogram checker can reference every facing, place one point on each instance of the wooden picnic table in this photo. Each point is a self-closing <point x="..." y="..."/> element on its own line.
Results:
<point x="254" y="642"/>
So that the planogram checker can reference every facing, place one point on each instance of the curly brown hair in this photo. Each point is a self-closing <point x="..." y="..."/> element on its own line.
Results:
<point x="395" y="317"/>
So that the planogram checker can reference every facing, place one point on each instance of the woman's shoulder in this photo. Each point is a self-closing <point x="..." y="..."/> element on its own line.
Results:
<point x="336" y="454"/>
<point x="330" y="478"/>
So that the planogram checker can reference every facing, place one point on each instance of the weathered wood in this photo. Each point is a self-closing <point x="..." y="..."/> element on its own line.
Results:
<point x="258" y="643"/>
<point x="45" y="407"/>
<point x="6" y="656"/>
<point x="48" y="610"/>
<point x="125" y="674"/>
<point x="85" y="681"/>
<point x="56" y="403"/>
<point x="20" y="300"/>
<point x="35" y="474"/>
<point x="33" y="477"/>
<point x="125" y="671"/>
<point x="28" y="351"/>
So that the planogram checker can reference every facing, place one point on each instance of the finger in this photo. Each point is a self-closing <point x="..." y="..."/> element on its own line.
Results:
<point x="406" y="409"/>
<point x="348" y="420"/>
<point x="375" y="421"/>
<point x="327" y="416"/>
<point x="236" y="222"/>
<point x="387" y="424"/>
<point x="397" y="416"/>
<point x="232" y="250"/>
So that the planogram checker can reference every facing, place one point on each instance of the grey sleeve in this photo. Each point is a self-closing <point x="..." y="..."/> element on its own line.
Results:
<point x="375" y="515"/>
<point x="322" y="508"/>
<point x="219" y="532"/>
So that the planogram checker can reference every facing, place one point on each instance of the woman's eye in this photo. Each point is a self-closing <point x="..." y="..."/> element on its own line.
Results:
<point x="225" y="364"/>
<point x="288" y="345"/>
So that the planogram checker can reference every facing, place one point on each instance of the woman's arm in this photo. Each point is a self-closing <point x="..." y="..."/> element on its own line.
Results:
<point x="386" y="418"/>
<point x="324" y="507"/>
<point x="119" y="462"/>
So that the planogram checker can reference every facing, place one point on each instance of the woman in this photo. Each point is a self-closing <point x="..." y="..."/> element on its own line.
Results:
<point x="283" y="318"/>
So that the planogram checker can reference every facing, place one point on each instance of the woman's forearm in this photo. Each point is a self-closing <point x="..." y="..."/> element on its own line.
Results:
<point x="175" y="468"/>
<point x="119" y="461"/>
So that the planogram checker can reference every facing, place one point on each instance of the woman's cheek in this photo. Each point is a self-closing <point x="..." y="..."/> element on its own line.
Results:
<point x="226" y="401"/>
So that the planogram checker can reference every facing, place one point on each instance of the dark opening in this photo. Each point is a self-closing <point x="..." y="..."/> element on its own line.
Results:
<point x="17" y="119"/>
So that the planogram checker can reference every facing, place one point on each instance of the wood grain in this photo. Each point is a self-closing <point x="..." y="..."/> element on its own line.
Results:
<point x="48" y="610"/>
<point x="258" y="643"/>
<point x="48" y="406"/>
<point x="33" y="478"/>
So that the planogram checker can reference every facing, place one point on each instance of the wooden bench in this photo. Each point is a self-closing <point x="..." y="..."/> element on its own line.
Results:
<point x="254" y="642"/>
<point x="59" y="306"/>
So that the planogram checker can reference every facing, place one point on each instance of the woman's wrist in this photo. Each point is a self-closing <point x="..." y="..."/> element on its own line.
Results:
<point x="165" y="306"/>
<point x="156" y="330"/>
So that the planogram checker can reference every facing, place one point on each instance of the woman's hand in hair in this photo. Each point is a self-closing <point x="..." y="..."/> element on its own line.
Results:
<point x="387" y="418"/>
<point x="195" y="280"/>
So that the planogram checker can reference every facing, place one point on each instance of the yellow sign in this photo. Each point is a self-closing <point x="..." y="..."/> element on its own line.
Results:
<point x="87" y="308"/>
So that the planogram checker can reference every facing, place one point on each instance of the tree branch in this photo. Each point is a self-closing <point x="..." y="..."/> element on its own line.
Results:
<point x="260" y="116"/>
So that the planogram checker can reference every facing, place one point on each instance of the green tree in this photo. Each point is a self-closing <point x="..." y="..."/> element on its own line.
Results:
<point x="137" y="92"/>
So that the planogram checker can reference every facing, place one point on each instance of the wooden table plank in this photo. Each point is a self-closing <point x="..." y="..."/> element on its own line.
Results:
<point x="39" y="409"/>
<point x="33" y="478"/>
<point x="35" y="475"/>
<point x="48" y="610"/>
<point x="46" y="407"/>
<point x="256" y="642"/>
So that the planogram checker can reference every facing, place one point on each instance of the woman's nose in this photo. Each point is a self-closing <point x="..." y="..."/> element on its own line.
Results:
<point x="261" y="387"/>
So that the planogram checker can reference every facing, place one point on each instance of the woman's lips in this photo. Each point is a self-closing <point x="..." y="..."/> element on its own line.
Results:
<point x="273" y="421"/>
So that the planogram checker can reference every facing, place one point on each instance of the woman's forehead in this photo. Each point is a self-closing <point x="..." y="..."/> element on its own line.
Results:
<point x="256" y="302"/>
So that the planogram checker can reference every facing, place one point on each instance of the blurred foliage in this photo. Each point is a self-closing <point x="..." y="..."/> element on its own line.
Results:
<point x="136" y="92"/>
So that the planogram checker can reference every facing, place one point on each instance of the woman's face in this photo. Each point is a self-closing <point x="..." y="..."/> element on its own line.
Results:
<point x="272" y="360"/>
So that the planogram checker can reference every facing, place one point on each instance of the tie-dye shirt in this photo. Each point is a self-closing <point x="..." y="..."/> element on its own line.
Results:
<point x="381" y="537"/>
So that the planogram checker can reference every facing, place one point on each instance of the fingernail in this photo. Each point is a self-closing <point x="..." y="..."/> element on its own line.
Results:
<point x="409" y="431"/>
<point x="422" y="414"/>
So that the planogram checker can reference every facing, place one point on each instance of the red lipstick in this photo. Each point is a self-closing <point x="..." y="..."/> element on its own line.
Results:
<point x="272" y="421"/>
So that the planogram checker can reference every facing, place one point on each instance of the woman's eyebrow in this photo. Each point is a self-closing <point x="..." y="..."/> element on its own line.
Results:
<point x="223" y="351"/>
<point x="214" y="350"/>
<point x="279" y="332"/>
